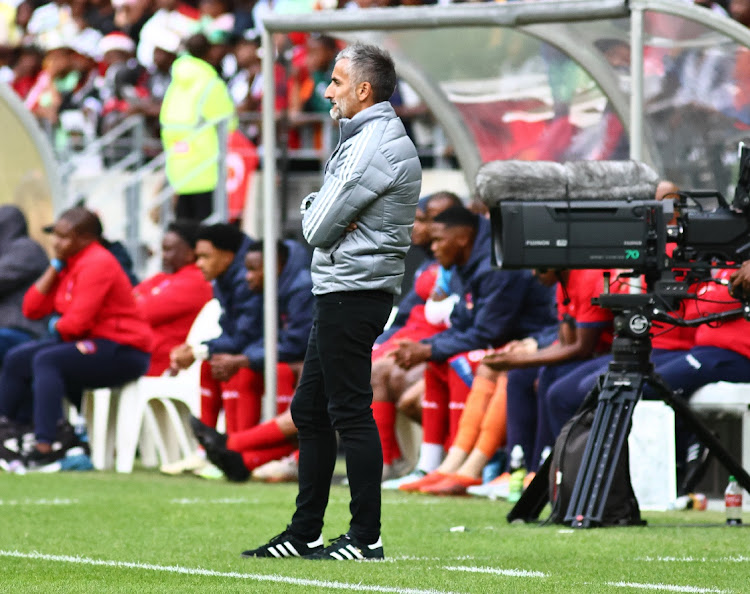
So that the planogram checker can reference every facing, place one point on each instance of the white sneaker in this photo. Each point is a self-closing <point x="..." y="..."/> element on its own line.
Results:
<point x="394" y="484"/>
<point x="193" y="462"/>
<point x="285" y="470"/>
<point x="209" y="471"/>
<point x="498" y="488"/>
<point x="396" y="469"/>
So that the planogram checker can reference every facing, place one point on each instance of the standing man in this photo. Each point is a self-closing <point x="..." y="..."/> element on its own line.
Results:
<point x="359" y="224"/>
<point x="194" y="103"/>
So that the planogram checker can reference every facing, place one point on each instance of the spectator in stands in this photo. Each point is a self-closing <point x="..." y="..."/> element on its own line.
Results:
<point x="295" y="309"/>
<point x="220" y="254"/>
<point x="172" y="299"/>
<point x="197" y="99"/>
<point x="58" y="77"/>
<point x="26" y="69"/>
<point x="131" y="16"/>
<point x="740" y="11"/>
<point x="321" y="55"/>
<point x="172" y="18"/>
<point x="100" y="338"/>
<point x="22" y="260"/>
<point x="495" y="306"/>
<point x="165" y="48"/>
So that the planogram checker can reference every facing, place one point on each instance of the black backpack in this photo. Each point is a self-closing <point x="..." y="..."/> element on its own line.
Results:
<point x="622" y="506"/>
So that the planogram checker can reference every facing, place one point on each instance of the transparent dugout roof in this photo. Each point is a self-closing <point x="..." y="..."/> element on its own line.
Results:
<point x="553" y="80"/>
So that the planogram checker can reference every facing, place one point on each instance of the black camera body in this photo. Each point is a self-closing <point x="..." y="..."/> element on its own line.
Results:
<point x="602" y="214"/>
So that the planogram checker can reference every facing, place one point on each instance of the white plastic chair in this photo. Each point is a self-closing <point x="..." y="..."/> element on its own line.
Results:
<point x="160" y="426"/>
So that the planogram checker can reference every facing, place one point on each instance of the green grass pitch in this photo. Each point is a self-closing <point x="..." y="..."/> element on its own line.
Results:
<point x="103" y="532"/>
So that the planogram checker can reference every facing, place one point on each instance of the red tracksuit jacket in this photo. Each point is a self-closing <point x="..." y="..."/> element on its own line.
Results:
<point x="170" y="303"/>
<point x="95" y="299"/>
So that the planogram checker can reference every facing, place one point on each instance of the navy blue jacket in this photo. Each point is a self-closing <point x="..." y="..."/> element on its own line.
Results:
<point x="241" y="310"/>
<point x="496" y="305"/>
<point x="295" y="309"/>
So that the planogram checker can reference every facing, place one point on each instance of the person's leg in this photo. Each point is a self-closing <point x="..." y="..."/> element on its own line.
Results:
<point x="89" y="363"/>
<point x="522" y="409"/>
<point x="461" y="370"/>
<point x="384" y="408"/>
<point x="9" y="338"/>
<point x="475" y="408"/>
<point x="270" y="434"/>
<point x="317" y="445"/>
<point x="409" y="402"/>
<point x="435" y="424"/>
<point x="15" y="381"/>
<point x="255" y="458"/>
<point x="211" y="402"/>
<point x="246" y="387"/>
<point x="348" y="325"/>
<point x="286" y="381"/>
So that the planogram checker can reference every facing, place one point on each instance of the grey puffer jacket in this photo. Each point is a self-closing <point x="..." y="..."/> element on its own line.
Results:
<point x="373" y="178"/>
<point x="22" y="261"/>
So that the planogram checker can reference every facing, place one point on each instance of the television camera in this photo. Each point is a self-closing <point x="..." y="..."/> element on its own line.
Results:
<point x="604" y="215"/>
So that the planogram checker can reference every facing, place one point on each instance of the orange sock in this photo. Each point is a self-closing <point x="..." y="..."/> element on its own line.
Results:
<point x="494" y="425"/>
<point x="474" y="410"/>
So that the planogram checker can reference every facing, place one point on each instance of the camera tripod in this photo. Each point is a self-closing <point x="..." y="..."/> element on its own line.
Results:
<point x="617" y="393"/>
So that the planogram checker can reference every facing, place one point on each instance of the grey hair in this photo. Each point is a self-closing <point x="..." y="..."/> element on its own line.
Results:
<point x="369" y="63"/>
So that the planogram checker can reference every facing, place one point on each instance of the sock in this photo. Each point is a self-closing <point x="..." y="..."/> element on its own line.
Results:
<point x="230" y="411"/>
<point x="494" y="425"/>
<point x="435" y="404"/>
<point x="255" y="458"/>
<point x="248" y="410"/>
<point x="210" y="397"/>
<point x="285" y="385"/>
<point x="430" y="456"/>
<point x="474" y="410"/>
<point x="385" y="419"/>
<point x="265" y="435"/>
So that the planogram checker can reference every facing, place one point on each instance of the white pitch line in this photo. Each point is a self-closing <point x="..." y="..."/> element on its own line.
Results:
<point x="666" y="588"/>
<point x="199" y="501"/>
<point x="55" y="501"/>
<point x="494" y="570"/>
<point x="731" y="559"/>
<point x="256" y="577"/>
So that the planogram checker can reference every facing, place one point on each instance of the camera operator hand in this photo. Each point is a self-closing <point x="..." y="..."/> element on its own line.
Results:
<point x="739" y="282"/>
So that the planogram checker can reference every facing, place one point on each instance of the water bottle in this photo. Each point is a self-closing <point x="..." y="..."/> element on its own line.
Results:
<point x="517" y="474"/>
<point x="733" y="502"/>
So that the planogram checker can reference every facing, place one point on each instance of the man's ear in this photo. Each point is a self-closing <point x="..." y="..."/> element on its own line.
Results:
<point x="364" y="91"/>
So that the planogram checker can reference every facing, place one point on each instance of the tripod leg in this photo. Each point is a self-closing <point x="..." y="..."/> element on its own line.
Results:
<point x="706" y="437"/>
<point x="604" y="446"/>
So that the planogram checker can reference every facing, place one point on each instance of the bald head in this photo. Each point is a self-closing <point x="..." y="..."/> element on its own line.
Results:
<point x="75" y="229"/>
<point x="666" y="189"/>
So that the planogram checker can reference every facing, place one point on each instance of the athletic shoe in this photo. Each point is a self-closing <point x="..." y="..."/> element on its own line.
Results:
<point x="394" y="484"/>
<point x="209" y="472"/>
<point x="395" y="469"/>
<point x="347" y="548"/>
<point x="230" y="463"/>
<point x="38" y="461"/>
<point x="497" y="488"/>
<point x="515" y="485"/>
<point x="286" y="545"/>
<point x="207" y="436"/>
<point x="453" y="484"/>
<point x="285" y="470"/>
<point x="193" y="462"/>
<point x="425" y="481"/>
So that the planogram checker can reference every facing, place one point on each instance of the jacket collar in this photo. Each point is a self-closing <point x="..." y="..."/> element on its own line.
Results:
<point x="379" y="111"/>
